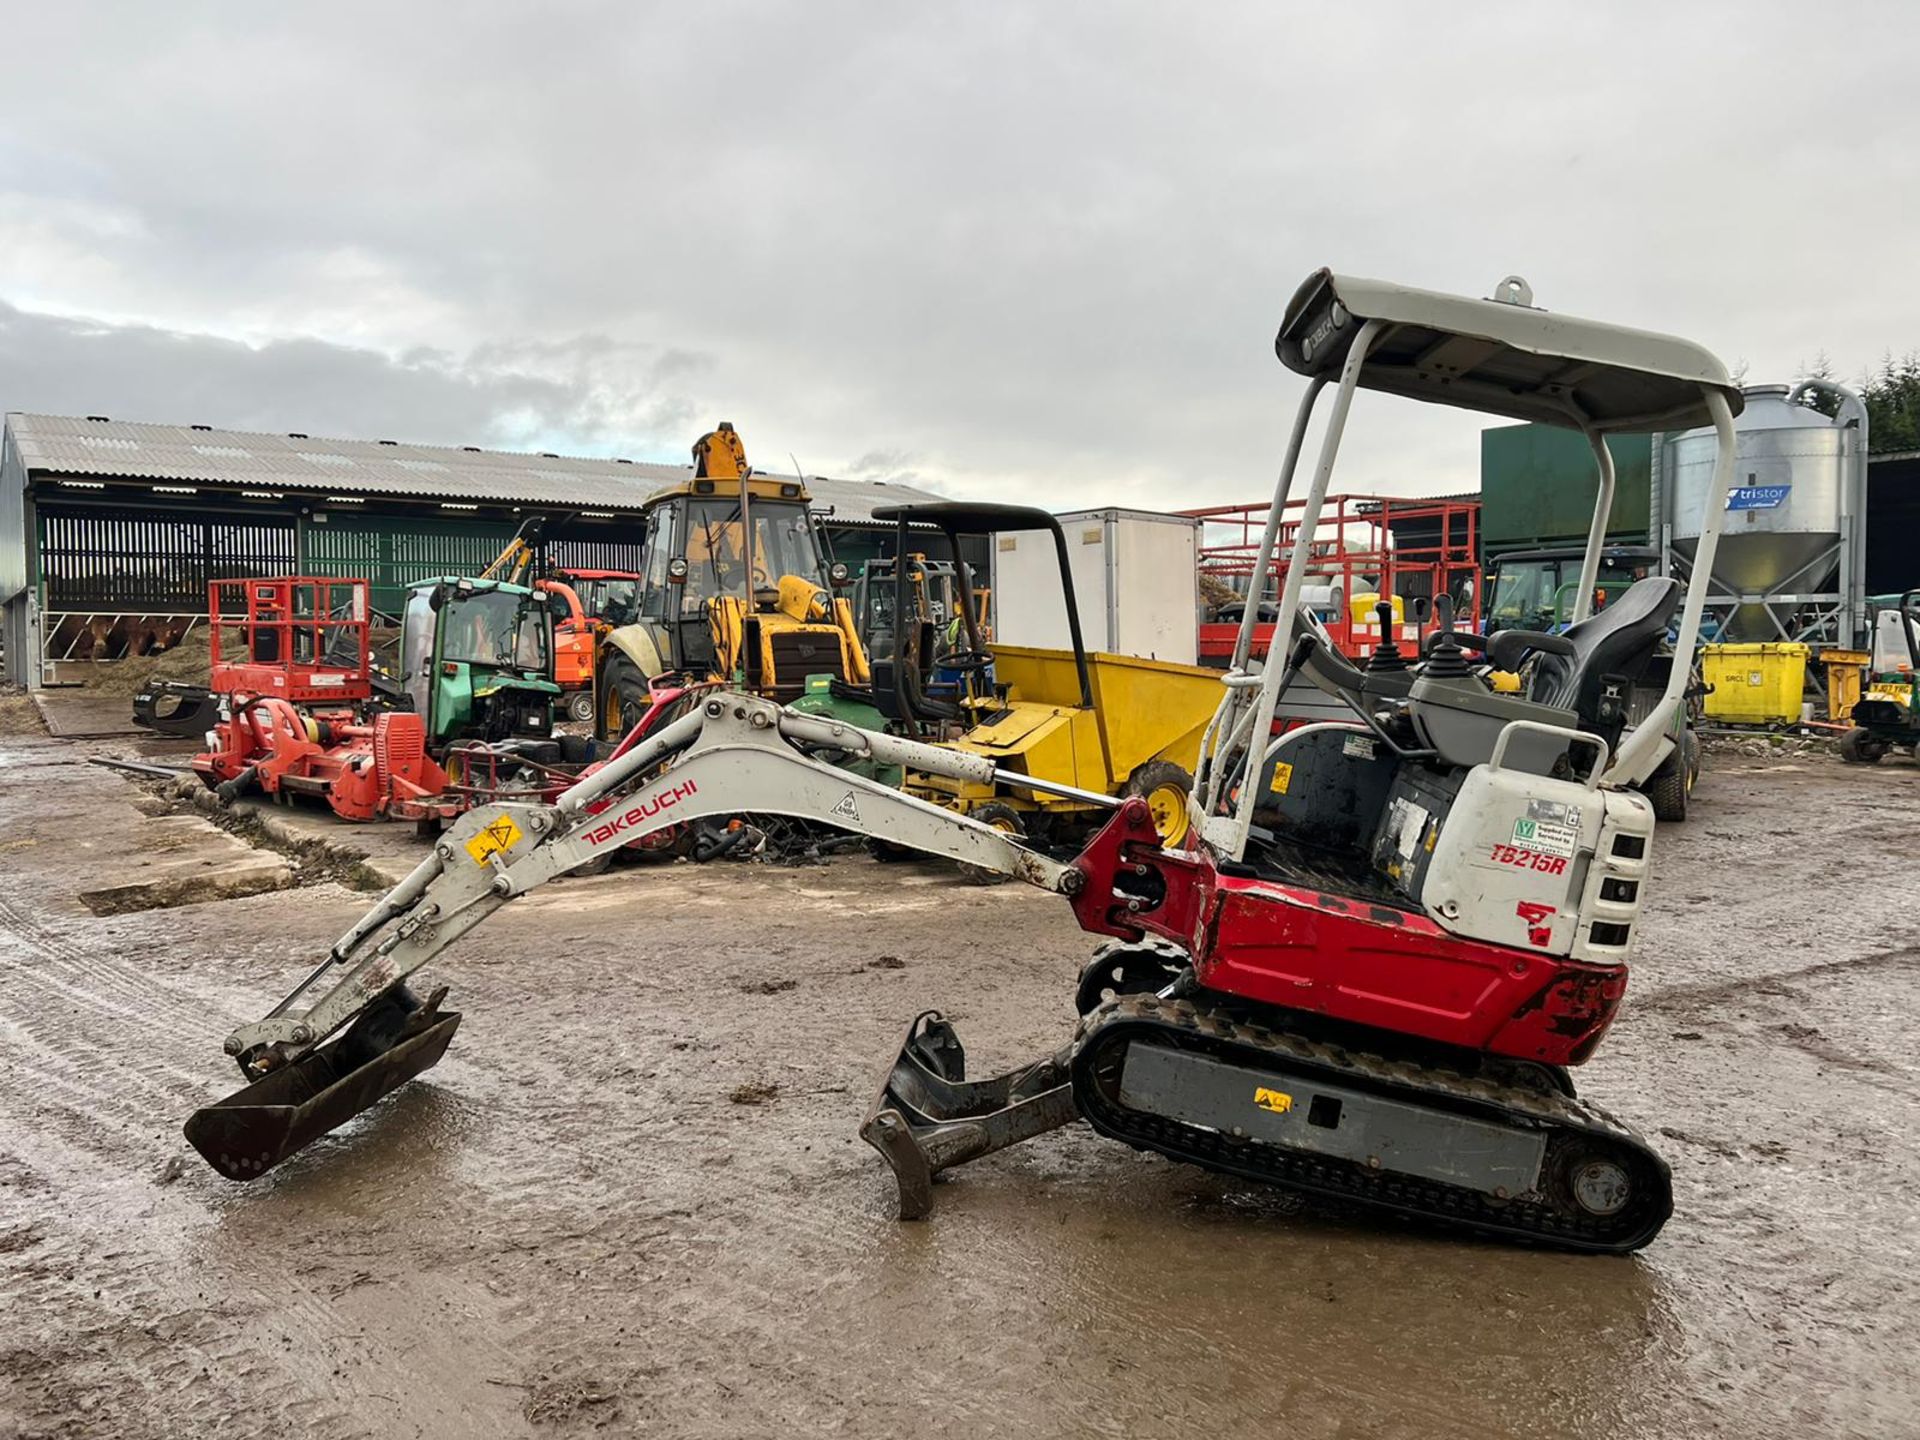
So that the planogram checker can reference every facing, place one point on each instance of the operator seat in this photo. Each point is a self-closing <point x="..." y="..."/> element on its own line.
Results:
<point x="1618" y="642"/>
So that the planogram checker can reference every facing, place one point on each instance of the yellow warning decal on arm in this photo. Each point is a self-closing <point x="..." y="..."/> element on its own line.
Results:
<point x="1278" y="1101"/>
<point x="496" y="838"/>
<point x="1282" y="777"/>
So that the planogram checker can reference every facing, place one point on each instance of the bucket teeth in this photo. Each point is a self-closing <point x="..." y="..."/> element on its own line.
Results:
<point x="286" y="1110"/>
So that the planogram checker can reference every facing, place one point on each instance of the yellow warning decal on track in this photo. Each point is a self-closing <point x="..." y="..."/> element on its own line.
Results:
<point x="1282" y="777"/>
<point x="498" y="837"/>
<point x="1276" y="1101"/>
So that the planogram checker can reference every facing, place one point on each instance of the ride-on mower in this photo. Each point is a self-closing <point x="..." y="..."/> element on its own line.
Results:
<point x="1369" y="969"/>
<point x="1887" y="717"/>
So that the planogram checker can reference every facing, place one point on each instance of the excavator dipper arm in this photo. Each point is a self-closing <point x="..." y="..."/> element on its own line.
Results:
<point x="735" y="753"/>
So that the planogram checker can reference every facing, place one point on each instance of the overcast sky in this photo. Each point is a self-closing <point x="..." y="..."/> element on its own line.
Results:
<point x="1034" y="252"/>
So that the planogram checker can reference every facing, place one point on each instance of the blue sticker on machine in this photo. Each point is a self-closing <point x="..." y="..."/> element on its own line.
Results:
<point x="1758" y="497"/>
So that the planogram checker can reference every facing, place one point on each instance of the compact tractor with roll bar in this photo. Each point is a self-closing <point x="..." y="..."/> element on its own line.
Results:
<point x="1887" y="717"/>
<point x="1369" y="970"/>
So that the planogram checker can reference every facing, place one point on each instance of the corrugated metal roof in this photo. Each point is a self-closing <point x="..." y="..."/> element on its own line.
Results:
<point x="183" y="454"/>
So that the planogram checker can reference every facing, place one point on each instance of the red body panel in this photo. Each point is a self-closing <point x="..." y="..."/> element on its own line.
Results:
<point x="362" y="771"/>
<point x="1363" y="964"/>
<point x="1356" y="642"/>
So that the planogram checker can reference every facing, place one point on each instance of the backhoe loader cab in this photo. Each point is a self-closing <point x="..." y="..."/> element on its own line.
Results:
<point x="476" y="660"/>
<point x="735" y="586"/>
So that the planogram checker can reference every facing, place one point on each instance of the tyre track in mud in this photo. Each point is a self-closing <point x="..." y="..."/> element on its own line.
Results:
<point x="102" y="1056"/>
<point x="570" y="1226"/>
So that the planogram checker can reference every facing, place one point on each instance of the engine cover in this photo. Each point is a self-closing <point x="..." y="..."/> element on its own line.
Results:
<point x="1535" y="863"/>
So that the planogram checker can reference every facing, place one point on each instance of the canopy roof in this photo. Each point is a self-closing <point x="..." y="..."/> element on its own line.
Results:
<point x="1502" y="357"/>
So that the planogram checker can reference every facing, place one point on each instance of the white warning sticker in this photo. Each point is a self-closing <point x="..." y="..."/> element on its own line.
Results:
<point x="1357" y="747"/>
<point x="847" y="809"/>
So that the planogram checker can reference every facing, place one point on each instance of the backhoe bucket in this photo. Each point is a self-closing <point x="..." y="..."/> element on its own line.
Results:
<point x="929" y="1117"/>
<point x="175" y="709"/>
<point x="286" y="1110"/>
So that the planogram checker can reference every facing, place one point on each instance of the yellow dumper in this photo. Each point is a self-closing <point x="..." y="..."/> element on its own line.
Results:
<point x="1086" y="726"/>
<point x="1140" y="736"/>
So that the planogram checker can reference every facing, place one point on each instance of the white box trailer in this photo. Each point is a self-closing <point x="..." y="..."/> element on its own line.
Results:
<point x="1135" y="579"/>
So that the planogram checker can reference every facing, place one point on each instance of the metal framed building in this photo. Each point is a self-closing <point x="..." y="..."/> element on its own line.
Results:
<point x="110" y="530"/>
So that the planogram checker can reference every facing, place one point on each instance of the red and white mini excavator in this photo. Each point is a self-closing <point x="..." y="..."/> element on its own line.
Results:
<point x="1369" y="970"/>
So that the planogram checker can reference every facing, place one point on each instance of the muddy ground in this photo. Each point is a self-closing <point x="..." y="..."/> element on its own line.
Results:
<point x="631" y="1200"/>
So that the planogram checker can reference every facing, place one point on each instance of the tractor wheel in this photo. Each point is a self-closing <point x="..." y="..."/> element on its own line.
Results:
<point x="1668" y="788"/>
<point x="888" y="853"/>
<point x="580" y="706"/>
<point x="1858" y="747"/>
<point x="624" y="698"/>
<point x="1006" y="820"/>
<point x="1165" y="787"/>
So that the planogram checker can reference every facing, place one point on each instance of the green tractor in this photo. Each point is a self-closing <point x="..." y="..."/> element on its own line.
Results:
<point x="476" y="663"/>
<point x="1887" y="717"/>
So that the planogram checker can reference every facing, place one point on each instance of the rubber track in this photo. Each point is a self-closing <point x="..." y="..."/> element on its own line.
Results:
<point x="1574" y="1123"/>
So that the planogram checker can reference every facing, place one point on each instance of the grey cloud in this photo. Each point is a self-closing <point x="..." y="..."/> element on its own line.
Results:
<point x="1039" y="250"/>
<point x="592" y="394"/>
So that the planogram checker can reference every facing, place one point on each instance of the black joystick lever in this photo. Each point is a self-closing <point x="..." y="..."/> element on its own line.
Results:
<point x="1445" y="659"/>
<point x="1386" y="655"/>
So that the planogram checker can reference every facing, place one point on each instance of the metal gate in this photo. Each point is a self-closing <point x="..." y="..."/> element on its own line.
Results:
<point x="123" y="584"/>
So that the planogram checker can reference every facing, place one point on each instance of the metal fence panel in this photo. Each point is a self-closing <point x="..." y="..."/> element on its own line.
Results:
<point x="97" y="559"/>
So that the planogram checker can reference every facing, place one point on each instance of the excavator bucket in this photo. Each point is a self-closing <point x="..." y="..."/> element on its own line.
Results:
<point x="929" y="1117"/>
<point x="286" y="1110"/>
<point x="175" y="709"/>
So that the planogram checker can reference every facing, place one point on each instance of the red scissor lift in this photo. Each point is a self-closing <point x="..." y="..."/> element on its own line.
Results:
<point x="1383" y="544"/>
<point x="296" y="684"/>
<point x="300" y="638"/>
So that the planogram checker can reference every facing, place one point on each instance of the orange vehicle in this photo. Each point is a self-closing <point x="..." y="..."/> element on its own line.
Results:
<point x="596" y="601"/>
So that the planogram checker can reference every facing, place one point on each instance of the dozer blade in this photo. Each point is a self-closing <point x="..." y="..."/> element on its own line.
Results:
<point x="286" y="1110"/>
<point x="929" y="1117"/>
<point x="175" y="709"/>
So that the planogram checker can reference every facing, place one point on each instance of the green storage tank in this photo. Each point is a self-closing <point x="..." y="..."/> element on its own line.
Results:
<point x="1537" y="487"/>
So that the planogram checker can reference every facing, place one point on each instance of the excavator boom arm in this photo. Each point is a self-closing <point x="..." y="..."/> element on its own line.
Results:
<point x="736" y="753"/>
